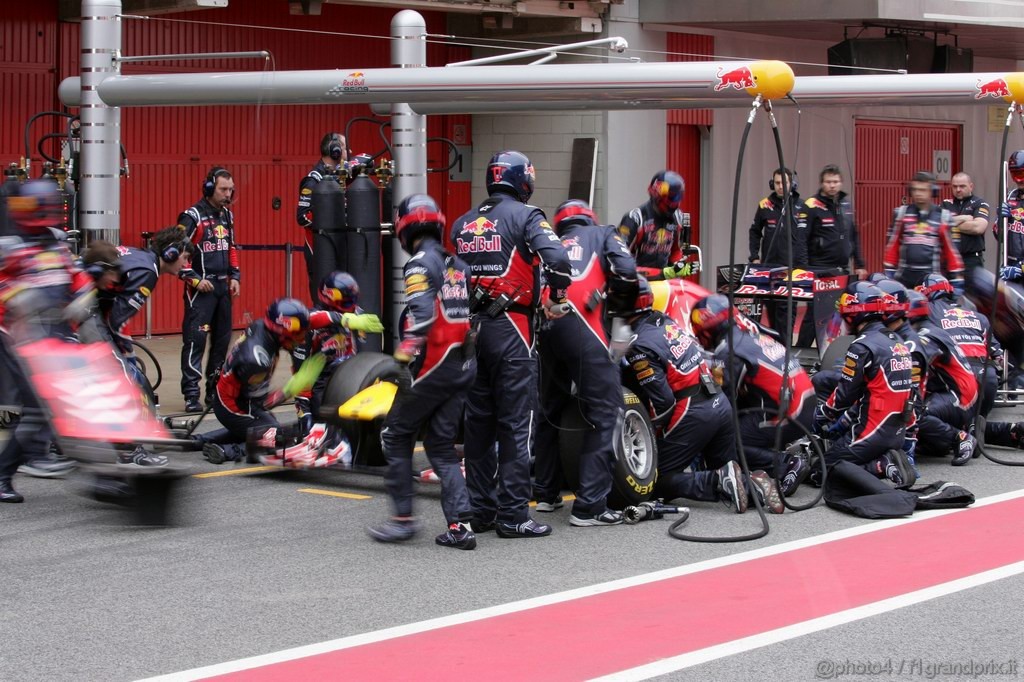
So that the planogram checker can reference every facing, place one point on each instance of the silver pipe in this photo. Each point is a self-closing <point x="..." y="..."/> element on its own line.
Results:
<point x="408" y="135"/>
<point x="616" y="44"/>
<point x="259" y="54"/>
<point x="100" y="184"/>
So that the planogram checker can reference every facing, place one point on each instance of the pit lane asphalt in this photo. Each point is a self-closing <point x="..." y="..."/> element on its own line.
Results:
<point x="255" y="566"/>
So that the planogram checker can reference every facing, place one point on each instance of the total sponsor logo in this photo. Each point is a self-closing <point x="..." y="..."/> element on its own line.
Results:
<point x="828" y="284"/>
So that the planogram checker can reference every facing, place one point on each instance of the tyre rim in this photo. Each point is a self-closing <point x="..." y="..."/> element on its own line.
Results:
<point x="636" y="445"/>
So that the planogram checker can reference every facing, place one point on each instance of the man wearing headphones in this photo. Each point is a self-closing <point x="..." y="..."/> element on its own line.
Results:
<point x="920" y="240"/>
<point x="333" y="155"/>
<point x="210" y="284"/>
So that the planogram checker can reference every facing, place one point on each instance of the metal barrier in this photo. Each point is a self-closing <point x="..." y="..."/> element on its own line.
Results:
<point x="288" y="248"/>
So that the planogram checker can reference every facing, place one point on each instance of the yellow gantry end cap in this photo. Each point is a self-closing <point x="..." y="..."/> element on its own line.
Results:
<point x="1015" y="84"/>
<point x="772" y="79"/>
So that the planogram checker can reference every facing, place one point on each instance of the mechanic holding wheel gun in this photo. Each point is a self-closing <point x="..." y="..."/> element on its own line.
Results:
<point x="242" y="400"/>
<point x="574" y="350"/>
<point x="692" y="417"/>
<point x="437" y="363"/>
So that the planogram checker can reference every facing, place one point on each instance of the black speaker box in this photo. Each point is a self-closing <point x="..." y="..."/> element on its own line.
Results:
<point x="912" y="53"/>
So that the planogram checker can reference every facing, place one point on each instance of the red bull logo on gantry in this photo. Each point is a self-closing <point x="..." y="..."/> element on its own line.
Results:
<point x="993" y="88"/>
<point x="739" y="78"/>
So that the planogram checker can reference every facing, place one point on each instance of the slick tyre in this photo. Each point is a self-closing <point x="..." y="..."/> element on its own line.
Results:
<point x="352" y="376"/>
<point x="636" y="454"/>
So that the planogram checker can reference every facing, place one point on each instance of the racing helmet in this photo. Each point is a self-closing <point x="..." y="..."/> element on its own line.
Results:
<point x="710" y="318"/>
<point x="896" y="302"/>
<point x="35" y="209"/>
<point x="666" y="190"/>
<point x="287" y="319"/>
<point x="418" y="215"/>
<point x="573" y="212"/>
<point x="512" y="173"/>
<point x="861" y="302"/>
<point x="935" y="287"/>
<point x="339" y="292"/>
<point x="876" y="277"/>
<point x="917" y="306"/>
<point x="1016" y="166"/>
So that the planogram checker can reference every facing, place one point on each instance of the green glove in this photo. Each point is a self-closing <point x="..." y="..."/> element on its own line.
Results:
<point x="669" y="272"/>
<point x="366" y="322"/>
<point x="304" y="379"/>
<point x="683" y="269"/>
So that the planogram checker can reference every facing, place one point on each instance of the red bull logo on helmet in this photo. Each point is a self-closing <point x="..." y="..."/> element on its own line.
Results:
<point x="993" y="88"/>
<point x="739" y="78"/>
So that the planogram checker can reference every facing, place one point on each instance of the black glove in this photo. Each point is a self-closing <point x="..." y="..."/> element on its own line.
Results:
<point x="404" y="378"/>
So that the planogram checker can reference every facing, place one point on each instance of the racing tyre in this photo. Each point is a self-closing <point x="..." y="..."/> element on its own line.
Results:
<point x="358" y="372"/>
<point x="636" y="452"/>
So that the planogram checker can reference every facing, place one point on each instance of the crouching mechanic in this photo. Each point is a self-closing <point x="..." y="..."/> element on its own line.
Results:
<point x="691" y="415"/>
<point x="438" y="366"/>
<point x="243" y="400"/>
<point x="574" y="351"/>
<point x="867" y="413"/>
<point x="754" y="381"/>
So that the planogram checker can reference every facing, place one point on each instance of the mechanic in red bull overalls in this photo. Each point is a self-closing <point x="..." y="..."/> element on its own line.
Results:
<point x="767" y="238"/>
<point x="970" y="220"/>
<point x="439" y="366"/>
<point x="502" y="240"/>
<point x="867" y="413"/>
<point x="1012" y="210"/>
<point x="970" y="329"/>
<point x="338" y="292"/>
<point x="242" y="399"/>
<point x="895" y="318"/>
<point x="210" y="284"/>
<point x="754" y="383"/>
<point x="36" y="276"/>
<point x="574" y="351"/>
<point x="333" y="155"/>
<point x="692" y="417"/>
<point x="657" y="232"/>
<point x="951" y="391"/>
<point x="920" y="241"/>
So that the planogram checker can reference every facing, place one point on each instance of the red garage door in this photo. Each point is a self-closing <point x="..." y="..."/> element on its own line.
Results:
<point x="888" y="153"/>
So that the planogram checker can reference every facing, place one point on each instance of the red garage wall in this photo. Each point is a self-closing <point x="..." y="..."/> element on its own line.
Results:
<point x="888" y="155"/>
<point x="267" y="148"/>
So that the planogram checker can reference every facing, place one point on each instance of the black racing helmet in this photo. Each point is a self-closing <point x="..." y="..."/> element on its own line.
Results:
<point x="418" y="215"/>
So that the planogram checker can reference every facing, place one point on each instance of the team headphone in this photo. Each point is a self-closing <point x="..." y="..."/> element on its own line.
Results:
<point x="97" y="268"/>
<point x="211" y="180"/>
<point x="925" y="176"/>
<point x="794" y="179"/>
<point x="173" y="252"/>
<point x="330" y="146"/>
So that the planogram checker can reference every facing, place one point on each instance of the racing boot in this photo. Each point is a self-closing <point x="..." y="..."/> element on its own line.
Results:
<point x="9" y="494"/>
<point x="458" y="535"/>
<point x="731" y="488"/>
<point x="895" y="467"/>
<point x="214" y="454"/>
<point x="608" y="517"/>
<point x="394" y="530"/>
<point x="797" y="471"/>
<point x="963" y="448"/>
<point x="142" y="458"/>
<point x="762" y="485"/>
<point x="192" y="405"/>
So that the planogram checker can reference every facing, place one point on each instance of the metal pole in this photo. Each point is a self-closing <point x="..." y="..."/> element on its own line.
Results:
<point x="408" y="137"/>
<point x="100" y="184"/>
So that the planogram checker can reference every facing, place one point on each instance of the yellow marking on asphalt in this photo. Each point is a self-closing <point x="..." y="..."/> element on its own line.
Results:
<point x="565" y="498"/>
<point x="236" y="472"/>
<point x="332" y="493"/>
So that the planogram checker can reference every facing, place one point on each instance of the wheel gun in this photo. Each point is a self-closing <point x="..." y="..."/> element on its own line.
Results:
<point x="654" y="509"/>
